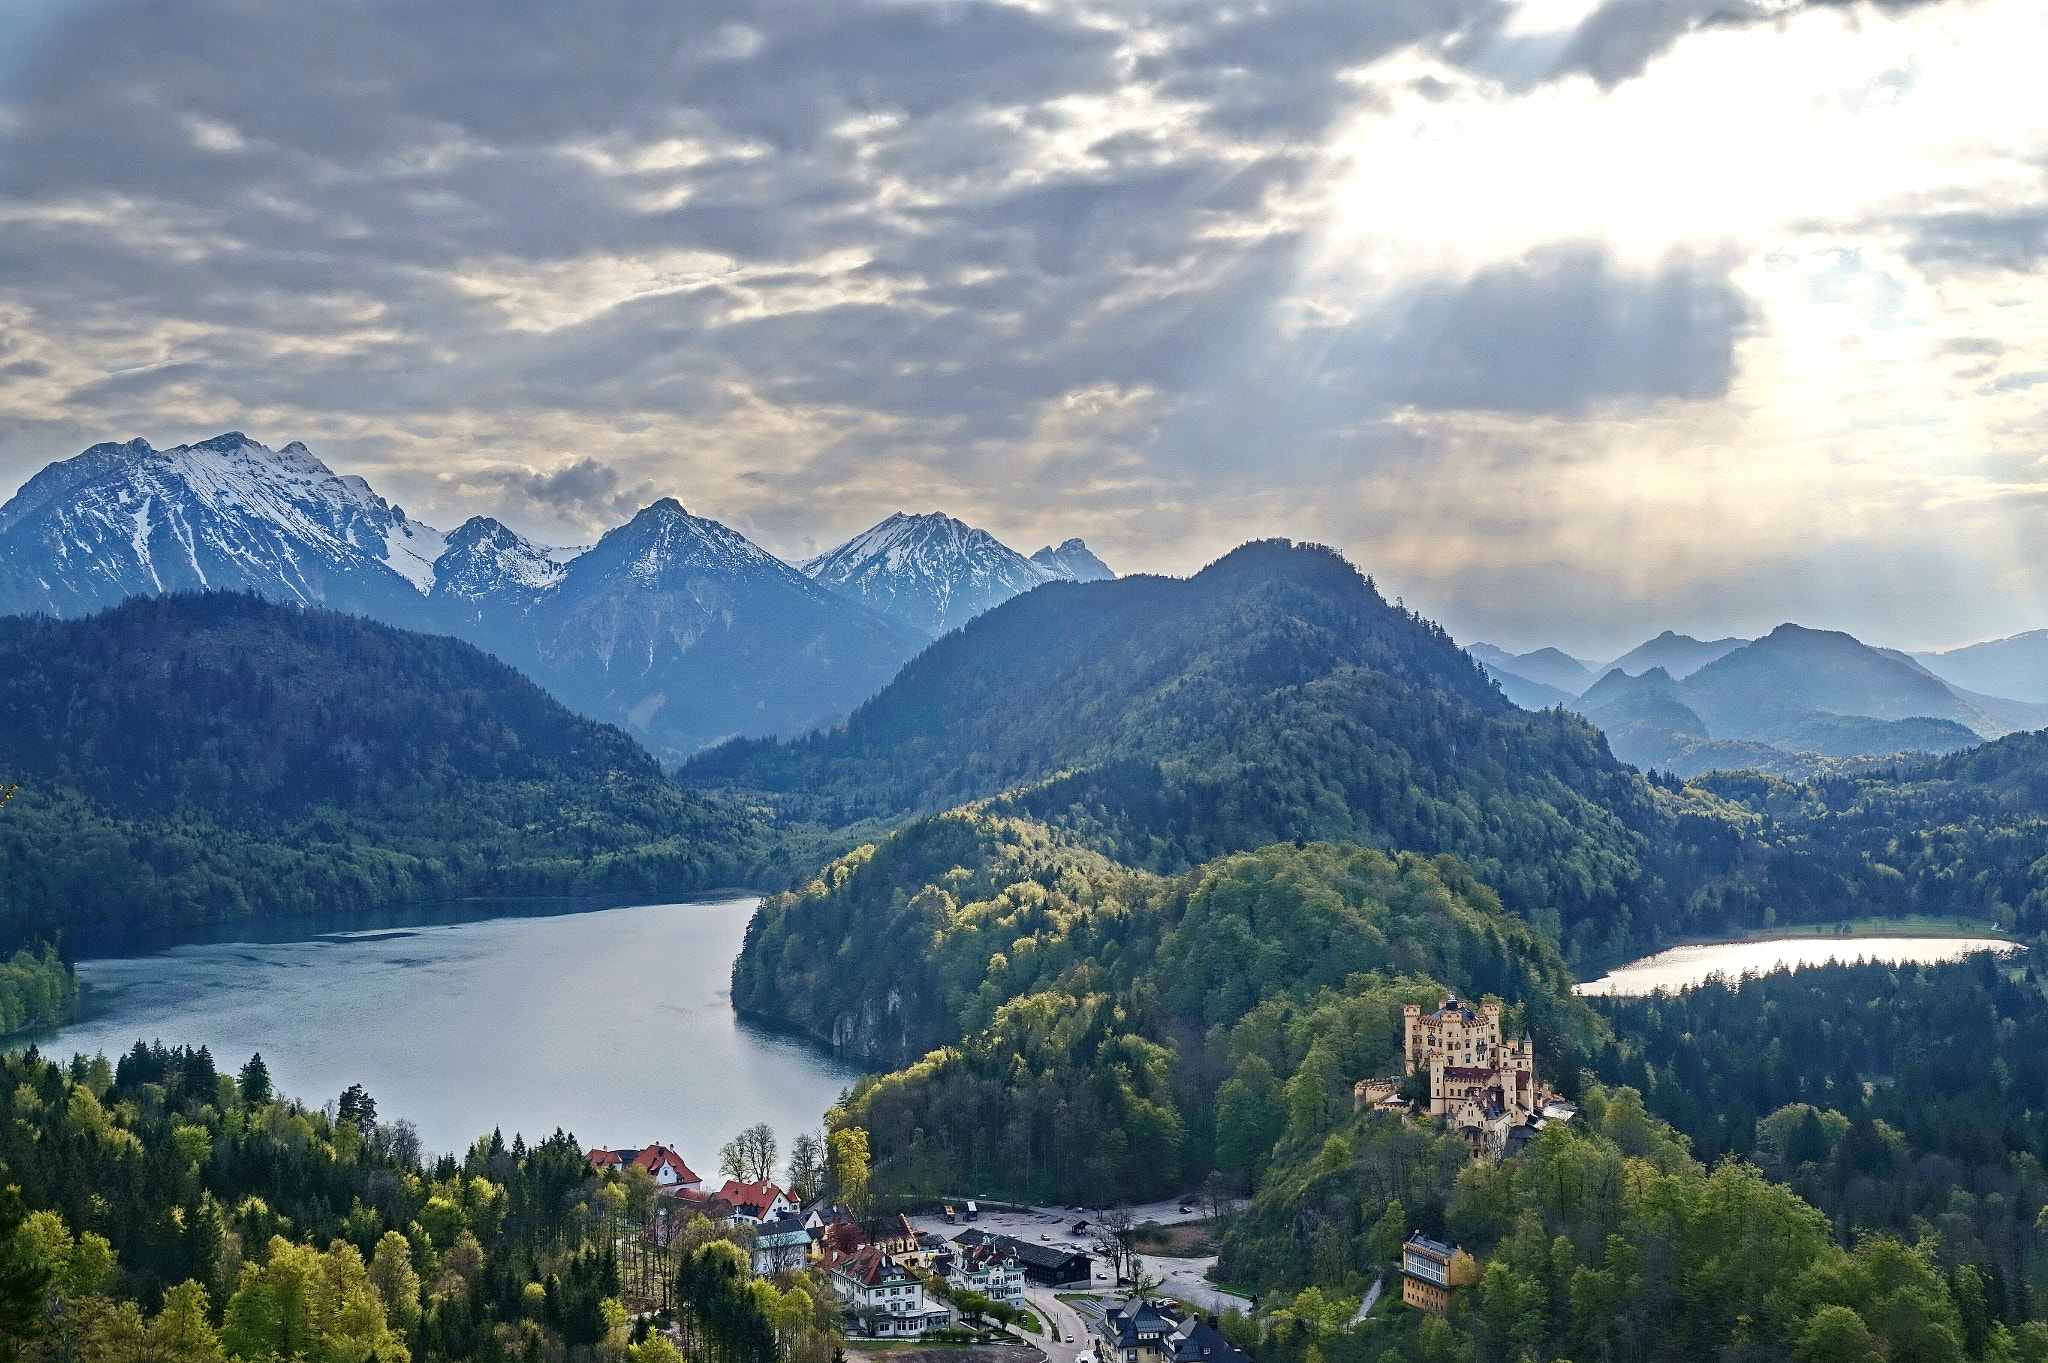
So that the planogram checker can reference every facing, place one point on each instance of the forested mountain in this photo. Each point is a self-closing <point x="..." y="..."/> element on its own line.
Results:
<point x="201" y="757"/>
<point x="1897" y="1099"/>
<point x="934" y="573"/>
<point x="1274" y="695"/>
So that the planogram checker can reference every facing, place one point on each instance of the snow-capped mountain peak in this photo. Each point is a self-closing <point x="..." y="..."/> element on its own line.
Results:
<point x="228" y="512"/>
<point x="931" y="571"/>
<point x="487" y="561"/>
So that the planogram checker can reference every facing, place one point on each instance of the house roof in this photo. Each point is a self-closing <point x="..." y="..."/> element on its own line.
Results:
<point x="1197" y="1341"/>
<point x="870" y="1267"/>
<point x="655" y="1158"/>
<point x="609" y="1159"/>
<point x="1436" y="1249"/>
<point x="759" y="1195"/>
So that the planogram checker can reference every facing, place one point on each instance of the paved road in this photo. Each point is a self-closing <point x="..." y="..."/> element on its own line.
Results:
<point x="1372" y="1296"/>
<point x="1067" y="1335"/>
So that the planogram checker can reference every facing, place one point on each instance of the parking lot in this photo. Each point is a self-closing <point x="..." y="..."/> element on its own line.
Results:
<point x="1183" y="1277"/>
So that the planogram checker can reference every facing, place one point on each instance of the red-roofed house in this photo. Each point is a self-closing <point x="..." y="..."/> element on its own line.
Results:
<point x="667" y="1167"/>
<point x="756" y="1202"/>
<point x="664" y="1164"/>
<point x="885" y="1298"/>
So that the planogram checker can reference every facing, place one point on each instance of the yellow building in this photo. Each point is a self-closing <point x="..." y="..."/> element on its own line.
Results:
<point x="1426" y="1278"/>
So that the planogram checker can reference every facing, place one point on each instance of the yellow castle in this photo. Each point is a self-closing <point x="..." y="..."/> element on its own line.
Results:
<point x="1481" y="1086"/>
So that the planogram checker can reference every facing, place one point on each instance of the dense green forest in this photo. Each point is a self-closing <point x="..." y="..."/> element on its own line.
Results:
<point x="159" y="1209"/>
<point x="1096" y="1031"/>
<point x="1892" y="1098"/>
<point x="199" y="758"/>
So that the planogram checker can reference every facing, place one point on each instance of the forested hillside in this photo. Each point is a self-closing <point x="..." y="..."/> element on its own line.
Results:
<point x="1273" y="696"/>
<point x="197" y="758"/>
<point x="1098" y="1031"/>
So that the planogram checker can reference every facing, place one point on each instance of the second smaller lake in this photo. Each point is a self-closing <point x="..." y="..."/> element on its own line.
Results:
<point x="1681" y="967"/>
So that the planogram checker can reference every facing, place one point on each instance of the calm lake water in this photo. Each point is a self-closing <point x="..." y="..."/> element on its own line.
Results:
<point x="1681" y="966"/>
<point x="614" y="1024"/>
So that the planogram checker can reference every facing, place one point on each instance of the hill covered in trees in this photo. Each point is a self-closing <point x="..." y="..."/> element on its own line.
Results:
<point x="198" y="758"/>
<point x="1273" y="696"/>
<point x="1074" y="1028"/>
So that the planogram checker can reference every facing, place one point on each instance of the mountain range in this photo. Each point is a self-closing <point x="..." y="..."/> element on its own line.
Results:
<point x="1789" y="703"/>
<point x="676" y="627"/>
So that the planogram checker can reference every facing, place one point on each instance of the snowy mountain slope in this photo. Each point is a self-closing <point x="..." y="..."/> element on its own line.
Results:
<point x="488" y="567"/>
<point x="1072" y="561"/>
<point x="676" y="627"/>
<point x="931" y="572"/>
<point x="685" y="632"/>
<point x="124" y="520"/>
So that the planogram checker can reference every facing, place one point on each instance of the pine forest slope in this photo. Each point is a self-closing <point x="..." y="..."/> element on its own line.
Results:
<point x="1273" y="696"/>
<point x="202" y="757"/>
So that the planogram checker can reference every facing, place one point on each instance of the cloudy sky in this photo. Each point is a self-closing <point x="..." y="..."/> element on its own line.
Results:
<point x="1571" y="322"/>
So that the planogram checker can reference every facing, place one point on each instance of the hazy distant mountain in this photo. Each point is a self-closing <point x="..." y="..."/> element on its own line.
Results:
<point x="677" y="628"/>
<point x="125" y="520"/>
<point x="1795" y="691"/>
<point x="1681" y="655"/>
<point x="1550" y="667"/>
<point x="1073" y="561"/>
<point x="930" y="572"/>
<point x="1781" y="679"/>
<point x="2016" y="667"/>
<point x="1530" y="695"/>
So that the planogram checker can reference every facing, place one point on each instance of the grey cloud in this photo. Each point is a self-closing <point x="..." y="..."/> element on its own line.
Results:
<point x="1621" y="37"/>
<point x="586" y="490"/>
<point x="1563" y="329"/>
<point x="2013" y="239"/>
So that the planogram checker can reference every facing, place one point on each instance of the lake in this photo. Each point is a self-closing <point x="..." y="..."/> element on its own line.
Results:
<point x="1682" y="966"/>
<point x="615" y="1024"/>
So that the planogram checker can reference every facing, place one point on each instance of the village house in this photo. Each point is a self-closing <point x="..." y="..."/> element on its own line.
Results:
<point x="1046" y="1265"/>
<point x="986" y="1267"/>
<point x="756" y="1202"/>
<point x="781" y="1245"/>
<point x="664" y="1164"/>
<point x="1146" y="1331"/>
<point x="884" y="1298"/>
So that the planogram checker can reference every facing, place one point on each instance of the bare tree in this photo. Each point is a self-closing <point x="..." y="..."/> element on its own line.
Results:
<point x="806" y="1167"/>
<point x="757" y="1146"/>
<point x="1113" y="1236"/>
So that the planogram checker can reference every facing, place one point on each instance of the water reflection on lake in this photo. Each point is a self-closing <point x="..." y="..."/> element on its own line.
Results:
<point x="1682" y="966"/>
<point x="614" y="1024"/>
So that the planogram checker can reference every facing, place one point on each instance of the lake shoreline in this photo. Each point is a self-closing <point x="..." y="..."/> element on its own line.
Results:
<point x="1686" y="965"/>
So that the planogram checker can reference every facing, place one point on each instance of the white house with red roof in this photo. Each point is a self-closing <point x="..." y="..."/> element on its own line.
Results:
<point x="756" y="1202"/>
<point x="664" y="1164"/>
